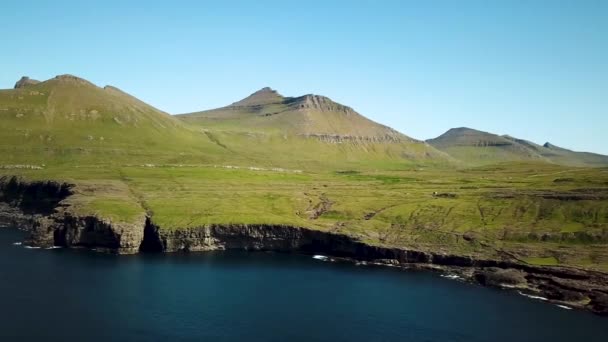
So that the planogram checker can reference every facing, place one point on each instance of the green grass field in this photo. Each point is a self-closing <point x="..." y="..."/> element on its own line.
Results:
<point x="524" y="208"/>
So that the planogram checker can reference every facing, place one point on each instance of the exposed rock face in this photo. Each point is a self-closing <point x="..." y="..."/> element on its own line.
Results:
<point x="338" y="139"/>
<point x="13" y="217"/>
<point x="261" y="97"/>
<point x="67" y="78"/>
<point x="37" y="207"/>
<point x="492" y="276"/>
<point x="24" y="82"/>
<point x="88" y="231"/>
<point x="318" y="102"/>
<point x="40" y="197"/>
<point x="549" y="145"/>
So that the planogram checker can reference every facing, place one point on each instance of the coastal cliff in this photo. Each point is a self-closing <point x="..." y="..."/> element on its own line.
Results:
<point x="40" y="208"/>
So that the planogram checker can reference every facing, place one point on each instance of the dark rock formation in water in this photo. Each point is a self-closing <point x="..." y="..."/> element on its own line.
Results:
<point x="68" y="230"/>
<point x="39" y="208"/>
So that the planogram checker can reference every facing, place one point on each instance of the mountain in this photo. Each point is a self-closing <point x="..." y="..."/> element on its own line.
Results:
<point x="67" y="118"/>
<point x="477" y="148"/>
<point x="303" y="125"/>
<point x="70" y="120"/>
<point x="268" y="111"/>
<point x="563" y="156"/>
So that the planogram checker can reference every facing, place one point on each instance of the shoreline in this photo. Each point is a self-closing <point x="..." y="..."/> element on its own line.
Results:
<point x="454" y="273"/>
<point x="569" y="287"/>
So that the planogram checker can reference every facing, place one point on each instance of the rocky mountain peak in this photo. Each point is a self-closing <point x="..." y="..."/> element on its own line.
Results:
<point x="24" y="82"/>
<point x="464" y="136"/>
<point x="320" y="103"/>
<point x="266" y="90"/>
<point x="462" y="130"/>
<point x="263" y="96"/>
<point x="67" y="78"/>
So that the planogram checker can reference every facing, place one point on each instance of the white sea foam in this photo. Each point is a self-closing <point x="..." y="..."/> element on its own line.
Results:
<point x="54" y="247"/>
<point x="320" y="257"/>
<point x="31" y="247"/>
<point x="17" y="243"/>
<point x="564" y="307"/>
<point x="532" y="296"/>
<point x="450" y="276"/>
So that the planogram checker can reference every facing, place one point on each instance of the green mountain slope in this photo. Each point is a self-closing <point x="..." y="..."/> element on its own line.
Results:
<point x="475" y="147"/>
<point x="562" y="156"/>
<point x="67" y="119"/>
<point x="309" y="128"/>
<point x="267" y="111"/>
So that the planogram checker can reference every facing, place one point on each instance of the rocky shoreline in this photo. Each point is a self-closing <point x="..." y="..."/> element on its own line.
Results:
<point x="37" y="208"/>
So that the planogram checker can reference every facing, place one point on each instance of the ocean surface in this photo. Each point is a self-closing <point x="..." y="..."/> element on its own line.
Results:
<point x="62" y="295"/>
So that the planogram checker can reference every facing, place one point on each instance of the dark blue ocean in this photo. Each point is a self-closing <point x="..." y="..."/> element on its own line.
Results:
<point x="63" y="295"/>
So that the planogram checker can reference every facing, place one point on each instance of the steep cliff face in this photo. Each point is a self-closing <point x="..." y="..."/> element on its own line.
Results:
<point x="283" y="238"/>
<point x="13" y="217"/>
<point x="39" y="197"/>
<point x="67" y="230"/>
<point x="39" y="208"/>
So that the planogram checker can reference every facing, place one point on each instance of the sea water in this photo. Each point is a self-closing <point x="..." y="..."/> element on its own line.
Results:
<point x="62" y="295"/>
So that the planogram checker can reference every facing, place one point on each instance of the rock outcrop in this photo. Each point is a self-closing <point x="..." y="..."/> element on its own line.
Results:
<point x="24" y="82"/>
<point x="339" y="139"/>
<point x="67" y="230"/>
<point x="67" y="78"/>
<point x="319" y="103"/>
<point x="261" y="97"/>
<point x="35" y="198"/>
<point x="38" y="208"/>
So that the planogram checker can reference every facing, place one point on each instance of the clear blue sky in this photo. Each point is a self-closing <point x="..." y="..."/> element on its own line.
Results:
<point x="532" y="69"/>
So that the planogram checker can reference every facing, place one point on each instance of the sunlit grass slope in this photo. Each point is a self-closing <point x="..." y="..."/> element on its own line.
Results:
<point x="69" y="120"/>
<point x="474" y="147"/>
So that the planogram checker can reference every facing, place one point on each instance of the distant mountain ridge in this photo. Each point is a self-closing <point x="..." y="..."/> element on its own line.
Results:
<point x="68" y="118"/>
<point x="310" y="127"/>
<point x="309" y="115"/>
<point x="263" y="96"/>
<point x="479" y="147"/>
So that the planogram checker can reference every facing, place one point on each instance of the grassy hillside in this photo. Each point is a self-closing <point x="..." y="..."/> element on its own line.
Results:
<point x="475" y="147"/>
<point x="268" y="111"/>
<point x="309" y="128"/>
<point x="69" y="120"/>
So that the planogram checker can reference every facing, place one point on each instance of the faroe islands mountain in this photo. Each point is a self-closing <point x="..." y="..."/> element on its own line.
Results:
<point x="268" y="111"/>
<point x="309" y="128"/>
<point x="477" y="148"/>
<point x="68" y="119"/>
